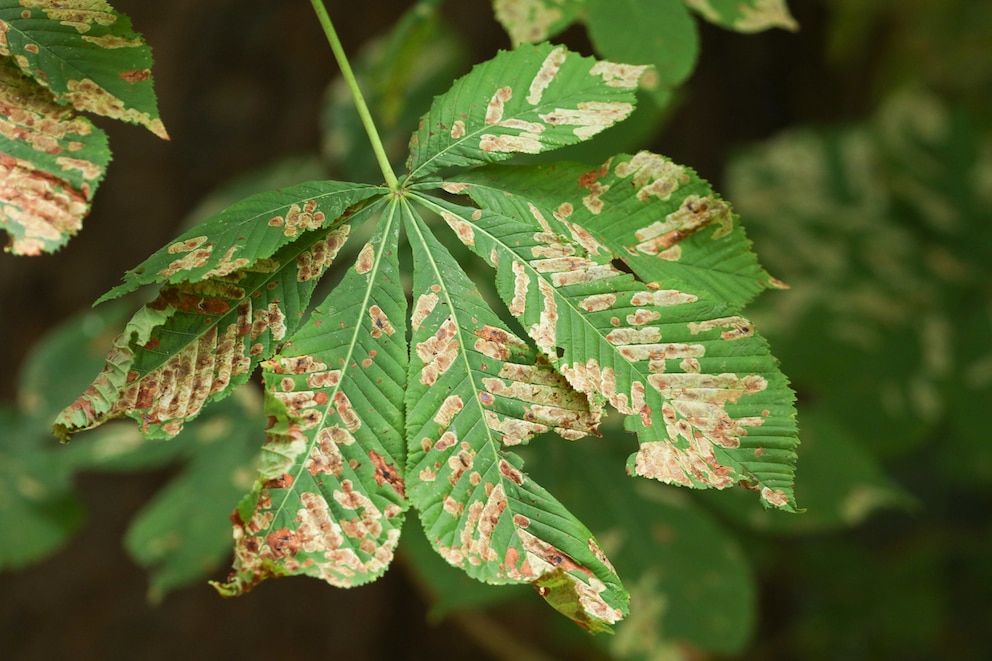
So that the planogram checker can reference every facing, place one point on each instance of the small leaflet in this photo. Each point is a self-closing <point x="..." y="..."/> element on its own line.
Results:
<point x="86" y="55"/>
<point x="536" y="98"/>
<point x="51" y="162"/>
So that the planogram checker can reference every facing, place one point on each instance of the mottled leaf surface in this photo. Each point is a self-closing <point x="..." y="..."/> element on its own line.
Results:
<point x="475" y="389"/>
<point x="536" y="20"/>
<point x="530" y="100"/>
<point x="746" y="15"/>
<point x="51" y="162"/>
<point x="330" y="495"/>
<point x="699" y="388"/>
<point x="251" y="230"/>
<point x="659" y="217"/>
<point x="85" y="54"/>
<point x="196" y="341"/>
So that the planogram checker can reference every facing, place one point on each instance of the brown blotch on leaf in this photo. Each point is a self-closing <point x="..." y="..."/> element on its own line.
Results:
<point x="510" y="473"/>
<point x="438" y="352"/>
<point x="459" y="464"/>
<point x="449" y="409"/>
<point x="494" y="110"/>
<point x="380" y="322"/>
<point x="133" y="76"/>
<point x="346" y="412"/>
<point x="366" y="259"/>
<point x="386" y="473"/>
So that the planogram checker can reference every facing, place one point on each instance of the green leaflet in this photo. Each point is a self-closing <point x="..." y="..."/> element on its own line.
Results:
<point x="85" y="54"/>
<point x="253" y="229"/>
<point x="473" y="388"/>
<point x="330" y="495"/>
<point x="535" y="20"/>
<point x="701" y="390"/>
<point x="51" y="162"/>
<point x="746" y="15"/>
<point x="197" y="341"/>
<point x="531" y="100"/>
<point x="674" y="229"/>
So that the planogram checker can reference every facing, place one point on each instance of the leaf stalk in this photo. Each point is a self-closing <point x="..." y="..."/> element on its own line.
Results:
<point x="356" y="94"/>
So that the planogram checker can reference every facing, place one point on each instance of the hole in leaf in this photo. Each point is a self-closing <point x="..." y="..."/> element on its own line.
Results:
<point x="621" y="265"/>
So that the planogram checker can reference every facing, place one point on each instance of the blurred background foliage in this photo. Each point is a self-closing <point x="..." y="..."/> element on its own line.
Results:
<point x="858" y="153"/>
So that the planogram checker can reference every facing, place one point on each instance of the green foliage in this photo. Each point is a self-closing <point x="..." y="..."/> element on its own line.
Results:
<point x="358" y="432"/>
<point x="54" y="59"/>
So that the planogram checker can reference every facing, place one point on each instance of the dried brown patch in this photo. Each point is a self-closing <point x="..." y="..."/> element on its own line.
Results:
<point x="387" y="473"/>
<point x="380" y="322"/>
<point x="438" y="352"/>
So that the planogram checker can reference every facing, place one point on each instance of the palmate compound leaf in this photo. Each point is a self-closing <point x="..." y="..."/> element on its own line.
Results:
<point x="699" y="388"/>
<point x="85" y="54"/>
<point x="198" y="340"/>
<point x="51" y="162"/>
<point x="330" y="495"/>
<point x="530" y="100"/>
<point x="475" y="389"/>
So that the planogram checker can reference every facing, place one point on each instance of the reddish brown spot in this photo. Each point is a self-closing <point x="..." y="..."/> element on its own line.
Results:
<point x="386" y="472"/>
<point x="135" y="75"/>
<point x="588" y="179"/>
<point x="283" y="543"/>
<point x="510" y="473"/>
<point x="284" y="481"/>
